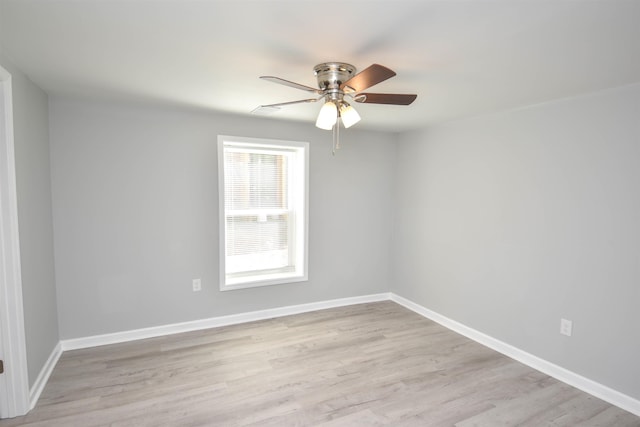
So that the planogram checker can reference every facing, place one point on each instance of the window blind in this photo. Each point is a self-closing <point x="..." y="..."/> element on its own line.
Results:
<point x="258" y="213"/>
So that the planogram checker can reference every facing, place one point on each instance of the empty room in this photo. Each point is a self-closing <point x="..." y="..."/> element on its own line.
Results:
<point x="319" y="213"/>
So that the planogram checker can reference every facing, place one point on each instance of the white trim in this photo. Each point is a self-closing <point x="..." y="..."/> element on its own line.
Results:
<point x="298" y="239"/>
<point x="44" y="375"/>
<point x="214" y="322"/>
<point x="15" y="393"/>
<point x="578" y="381"/>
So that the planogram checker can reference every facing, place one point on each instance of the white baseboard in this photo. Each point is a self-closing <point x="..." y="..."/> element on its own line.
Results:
<point x="588" y="386"/>
<point x="43" y="377"/>
<point x="214" y="322"/>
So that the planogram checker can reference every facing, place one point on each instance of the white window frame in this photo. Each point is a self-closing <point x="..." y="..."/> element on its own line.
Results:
<point x="300" y="220"/>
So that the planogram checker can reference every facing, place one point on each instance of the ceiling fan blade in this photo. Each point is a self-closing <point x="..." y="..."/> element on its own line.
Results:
<point x="366" y="78"/>
<point x="282" y="104"/>
<point x="385" y="98"/>
<point x="271" y="108"/>
<point x="290" y="84"/>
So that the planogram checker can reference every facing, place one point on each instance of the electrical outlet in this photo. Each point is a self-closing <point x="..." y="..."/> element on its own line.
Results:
<point x="565" y="327"/>
<point x="197" y="285"/>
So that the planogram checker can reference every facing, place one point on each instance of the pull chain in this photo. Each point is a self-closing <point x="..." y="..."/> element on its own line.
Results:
<point x="336" y="137"/>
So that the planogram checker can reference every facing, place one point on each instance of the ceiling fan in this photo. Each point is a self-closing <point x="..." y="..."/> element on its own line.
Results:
<point x="337" y="83"/>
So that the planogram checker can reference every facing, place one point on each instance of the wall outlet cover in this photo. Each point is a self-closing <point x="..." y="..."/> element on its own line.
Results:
<point x="566" y="327"/>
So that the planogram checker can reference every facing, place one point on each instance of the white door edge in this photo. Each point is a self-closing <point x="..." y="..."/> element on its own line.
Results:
<point x="14" y="382"/>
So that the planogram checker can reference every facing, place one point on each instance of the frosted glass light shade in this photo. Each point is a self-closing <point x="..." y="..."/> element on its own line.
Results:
<point x="328" y="116"/>
<point x="349" y="115"/>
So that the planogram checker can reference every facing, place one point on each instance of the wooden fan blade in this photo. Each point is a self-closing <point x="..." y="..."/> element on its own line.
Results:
<point x="385" y="98"/>
<point x="290" y="84"/>
<point x="366" y="78"/>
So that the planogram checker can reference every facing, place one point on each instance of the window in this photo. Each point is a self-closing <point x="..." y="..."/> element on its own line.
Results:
<point x="263" y="211"/>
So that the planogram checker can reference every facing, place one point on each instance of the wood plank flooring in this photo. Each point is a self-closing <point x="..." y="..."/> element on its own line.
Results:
<point x="375" y="364"/>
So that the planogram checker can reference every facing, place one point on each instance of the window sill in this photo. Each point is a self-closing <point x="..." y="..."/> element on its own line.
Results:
<point x="261" y="280"/>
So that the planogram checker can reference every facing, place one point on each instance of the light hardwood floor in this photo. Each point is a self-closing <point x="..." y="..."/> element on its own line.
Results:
<point x="364" y="365"/>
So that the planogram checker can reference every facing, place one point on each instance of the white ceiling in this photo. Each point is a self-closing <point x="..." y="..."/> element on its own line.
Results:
<point x="462" y="58"/>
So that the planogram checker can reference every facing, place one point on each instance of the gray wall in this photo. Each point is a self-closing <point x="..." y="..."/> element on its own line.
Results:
<point x="508" y="222"/>
<point x="136" y="216"/>
<point x="31" y="144"/>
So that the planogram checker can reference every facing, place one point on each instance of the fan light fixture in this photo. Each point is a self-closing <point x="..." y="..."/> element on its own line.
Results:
<point x="328" y="116"/>
<point x="329" y="113"/>
<point x="349" y="115"/>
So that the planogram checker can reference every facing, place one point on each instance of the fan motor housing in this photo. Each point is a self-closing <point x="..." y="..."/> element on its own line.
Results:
<point x="332" y="74"/>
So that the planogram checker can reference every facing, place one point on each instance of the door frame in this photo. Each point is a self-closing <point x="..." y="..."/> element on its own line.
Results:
<point x="14" y="387"/>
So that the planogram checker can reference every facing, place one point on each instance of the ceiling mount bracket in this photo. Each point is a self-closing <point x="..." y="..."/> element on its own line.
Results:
<point x="331" y="75"/>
